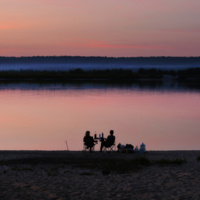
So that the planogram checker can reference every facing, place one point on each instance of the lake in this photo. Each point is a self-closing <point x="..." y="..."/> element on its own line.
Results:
<point x="163" y="115"/>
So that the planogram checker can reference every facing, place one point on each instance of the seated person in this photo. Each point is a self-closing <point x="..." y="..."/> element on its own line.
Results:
<point x="109" y="141"/>
<point x="88" y="140"/>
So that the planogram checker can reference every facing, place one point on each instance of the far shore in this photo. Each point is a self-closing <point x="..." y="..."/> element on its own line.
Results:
<point x="116" y="75"/>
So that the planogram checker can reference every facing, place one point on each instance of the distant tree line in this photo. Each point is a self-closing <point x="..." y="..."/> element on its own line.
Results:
<point x="107" y="74"/>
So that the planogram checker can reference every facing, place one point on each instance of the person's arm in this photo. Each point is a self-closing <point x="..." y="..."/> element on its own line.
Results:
<point x="94" y="140"/>
<point x="108" y="138"/>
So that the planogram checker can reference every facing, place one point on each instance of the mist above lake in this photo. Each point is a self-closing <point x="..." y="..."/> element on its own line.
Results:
<point x="66" y="67"/>
<point x="65" y="63"/>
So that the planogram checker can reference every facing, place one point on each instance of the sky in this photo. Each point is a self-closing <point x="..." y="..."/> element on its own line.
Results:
<point x="100" y="28"/>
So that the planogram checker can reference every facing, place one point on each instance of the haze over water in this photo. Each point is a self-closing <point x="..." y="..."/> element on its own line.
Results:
<point x="42" y="117"/>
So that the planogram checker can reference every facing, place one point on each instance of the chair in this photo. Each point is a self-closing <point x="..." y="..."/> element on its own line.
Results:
<point x="110" y="146"/>
<point x="86" y="148"/>
<point x="87" y="143"/>
<point x="110" y="149"/>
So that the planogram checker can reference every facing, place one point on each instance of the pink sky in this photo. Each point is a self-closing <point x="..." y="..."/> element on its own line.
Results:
<point x="100" y="28"/>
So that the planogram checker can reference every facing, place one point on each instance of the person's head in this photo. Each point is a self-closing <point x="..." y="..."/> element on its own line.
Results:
<point x="87" y="133"/>
<point x="111" y="132"/>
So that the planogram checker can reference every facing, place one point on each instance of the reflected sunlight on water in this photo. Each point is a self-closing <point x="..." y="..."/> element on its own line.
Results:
<point x="42" y="119"/>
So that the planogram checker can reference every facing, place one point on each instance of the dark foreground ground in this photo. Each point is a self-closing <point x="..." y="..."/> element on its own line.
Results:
<point x="78" y="175"/>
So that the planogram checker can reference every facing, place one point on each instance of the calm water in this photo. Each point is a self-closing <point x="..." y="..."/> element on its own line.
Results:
<point x="41" y="117"/>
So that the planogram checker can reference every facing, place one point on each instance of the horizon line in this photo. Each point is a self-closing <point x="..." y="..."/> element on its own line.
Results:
<point x="101" y="56"/>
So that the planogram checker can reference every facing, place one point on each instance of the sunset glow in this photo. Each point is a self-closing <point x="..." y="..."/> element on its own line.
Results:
<point x="100" y="28"/>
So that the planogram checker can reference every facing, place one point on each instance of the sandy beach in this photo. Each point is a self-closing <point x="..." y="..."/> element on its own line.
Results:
<point x="61" y="175"/>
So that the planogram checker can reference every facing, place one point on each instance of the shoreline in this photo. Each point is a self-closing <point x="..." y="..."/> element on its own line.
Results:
<point x="33" y="174"/>
<point x="36" y="174"/>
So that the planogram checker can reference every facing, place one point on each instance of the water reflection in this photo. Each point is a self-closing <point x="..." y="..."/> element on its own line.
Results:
<point x="161" y="86"/>
<point x="165" y="116"/>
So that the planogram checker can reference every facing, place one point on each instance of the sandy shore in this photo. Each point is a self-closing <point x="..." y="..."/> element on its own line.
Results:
<point x="56" y="175"/>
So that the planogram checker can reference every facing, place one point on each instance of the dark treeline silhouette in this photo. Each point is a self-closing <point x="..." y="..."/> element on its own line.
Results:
<point x="102" y="60"/>
<point x="68" y="75"/>
<point x="192" y="74"/>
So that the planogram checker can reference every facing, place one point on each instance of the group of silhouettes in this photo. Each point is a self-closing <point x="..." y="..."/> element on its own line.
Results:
<point x="89" y="141"/>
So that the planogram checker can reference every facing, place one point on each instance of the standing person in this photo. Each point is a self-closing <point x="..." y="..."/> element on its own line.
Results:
<point x="109" y="141"/>
<point x="89" y="141"/>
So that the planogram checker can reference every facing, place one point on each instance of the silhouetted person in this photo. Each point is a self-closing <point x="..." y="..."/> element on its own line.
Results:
<point x="89" y="141"/>
<point x="109" y="141"/>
